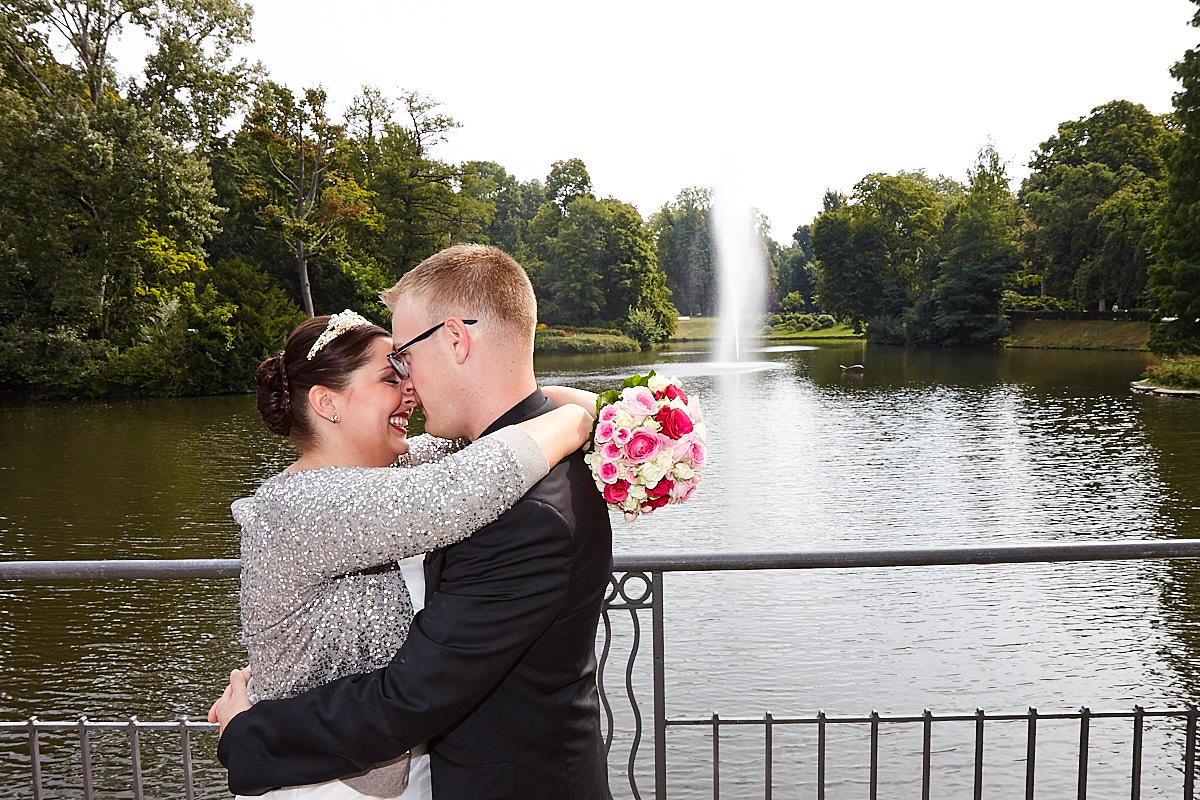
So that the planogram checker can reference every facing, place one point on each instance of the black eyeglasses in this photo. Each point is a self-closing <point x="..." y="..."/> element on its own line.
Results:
<point x="394" y="356"/>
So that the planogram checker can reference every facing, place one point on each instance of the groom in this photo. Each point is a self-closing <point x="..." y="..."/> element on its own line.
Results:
<point x="498" y="672"/>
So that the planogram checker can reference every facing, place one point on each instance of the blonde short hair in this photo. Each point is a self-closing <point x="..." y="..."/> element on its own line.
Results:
<point x="469" y="280"/>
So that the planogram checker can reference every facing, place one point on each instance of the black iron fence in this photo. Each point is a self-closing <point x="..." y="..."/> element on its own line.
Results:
<point x="638" y="588"/>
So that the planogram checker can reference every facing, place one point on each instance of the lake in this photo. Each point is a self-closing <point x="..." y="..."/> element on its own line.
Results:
<point x="923" y="448"/>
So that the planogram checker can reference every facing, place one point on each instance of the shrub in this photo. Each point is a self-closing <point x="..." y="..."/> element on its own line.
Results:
<point x="551" y="340"/>
<point x="825" y="321"/>
<point x="1175" y="373"/>
<point x="642" y="326"/>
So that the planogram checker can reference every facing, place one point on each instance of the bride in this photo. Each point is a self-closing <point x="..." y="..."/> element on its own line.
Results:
<point x="331" y="572"/>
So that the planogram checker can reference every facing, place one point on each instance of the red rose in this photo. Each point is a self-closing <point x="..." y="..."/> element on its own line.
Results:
<point x="660" y="489"/>
<point x="616" y="492"/>
<point x="656" y="502"/>
<point x="675" y="422"/>
<point x="672" y="392"/>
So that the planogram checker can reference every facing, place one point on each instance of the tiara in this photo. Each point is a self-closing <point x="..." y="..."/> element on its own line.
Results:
<point x="338" y="324"/>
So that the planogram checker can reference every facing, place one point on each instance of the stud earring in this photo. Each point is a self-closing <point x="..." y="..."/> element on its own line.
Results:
<point x="334" y="419"/>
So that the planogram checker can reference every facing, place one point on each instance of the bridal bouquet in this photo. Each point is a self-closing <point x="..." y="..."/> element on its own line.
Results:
<point x="648" y="445"/>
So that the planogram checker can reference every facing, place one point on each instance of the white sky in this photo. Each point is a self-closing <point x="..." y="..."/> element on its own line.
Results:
<point x="777" y="100"/>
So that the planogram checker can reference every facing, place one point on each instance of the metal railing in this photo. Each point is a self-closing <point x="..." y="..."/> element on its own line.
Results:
<point x="637" y="587"/>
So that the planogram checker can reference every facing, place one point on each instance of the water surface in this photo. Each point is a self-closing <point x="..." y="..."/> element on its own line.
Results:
<point x="924" y="448"/>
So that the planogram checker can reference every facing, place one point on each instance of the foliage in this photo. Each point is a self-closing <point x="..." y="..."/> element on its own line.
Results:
<point x="1011" y="301"/>
<point x="1175" y="373"/>
<point x="1175" y="277"/>
<point x="642" y="326"/>
<point x="594" y="262"/>
<point x="966" y="295"/>
<point x="878" y="253"/>
<point x="550" y="340"/>
<point x="683" y="236"/>
<point x="1091" y="198"/>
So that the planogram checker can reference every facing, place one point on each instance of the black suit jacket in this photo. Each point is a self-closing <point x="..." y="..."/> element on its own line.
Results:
<point x="498" y="672"/>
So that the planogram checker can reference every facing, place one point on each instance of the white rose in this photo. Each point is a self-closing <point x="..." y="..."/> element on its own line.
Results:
<point x="658" y="383"/>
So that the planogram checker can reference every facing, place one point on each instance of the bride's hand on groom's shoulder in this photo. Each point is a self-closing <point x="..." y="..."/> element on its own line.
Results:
<point x="233" y="700"/>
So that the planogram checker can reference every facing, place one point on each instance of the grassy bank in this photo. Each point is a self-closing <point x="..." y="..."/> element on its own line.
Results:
<point x="1079" y="334"/>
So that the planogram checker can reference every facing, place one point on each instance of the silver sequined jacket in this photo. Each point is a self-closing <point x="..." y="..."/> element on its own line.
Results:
<point x="320" y="595"/>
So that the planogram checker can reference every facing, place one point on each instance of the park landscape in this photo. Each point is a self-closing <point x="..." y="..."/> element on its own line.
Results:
<point x="928" y="362"/>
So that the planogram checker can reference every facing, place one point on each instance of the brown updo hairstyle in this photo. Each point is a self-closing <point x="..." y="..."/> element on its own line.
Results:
<point x="284" y="379"/>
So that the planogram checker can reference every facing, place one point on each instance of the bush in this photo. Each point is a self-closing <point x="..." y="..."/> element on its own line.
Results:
<point x="1175" y="373"/>
<point x="642" y="326"/>
<point x="825" y="321"/>
<point x="1010" y="301"/>
<point x="551" y="340"/>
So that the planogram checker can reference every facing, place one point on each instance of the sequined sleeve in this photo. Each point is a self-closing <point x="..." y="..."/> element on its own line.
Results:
<point x="335" y="520"/>
<point x="425" y="448"/>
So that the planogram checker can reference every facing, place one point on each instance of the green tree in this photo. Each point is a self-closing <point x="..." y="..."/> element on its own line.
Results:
<point x="309" y="193"/>
<point x="595" y="264"/>
<point x="683" y="236"/>
<point x="878" y="254"/>
<point x="1175" y="277"/>
<point x="1083" y="245"/>
<point x="966" y="296"/>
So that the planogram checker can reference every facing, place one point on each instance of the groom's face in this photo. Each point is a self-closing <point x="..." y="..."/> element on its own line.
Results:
<point x="426" y="365"/>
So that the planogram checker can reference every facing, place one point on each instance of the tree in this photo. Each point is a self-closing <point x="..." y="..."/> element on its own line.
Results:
<point x="309" y="192"/>
<point x="513" y="204"/>
<point x="595" y="265"/>
<point x="878" y="254"/>
<point x="966" y="296"/>
<point x="1175" y="277"/>
<point x="1084" y="246"/>
<point x="567" y="180"/>
<point x="683" y="236"/>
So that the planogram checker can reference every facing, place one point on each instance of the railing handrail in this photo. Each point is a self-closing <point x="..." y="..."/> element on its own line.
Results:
<point x="858" y="558"/>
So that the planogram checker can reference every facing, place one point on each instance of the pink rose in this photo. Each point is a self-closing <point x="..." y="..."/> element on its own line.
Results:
<point x="639" y="401"/>
<point x="604" y="430"/>
<point x="682" y="490"/>
<point x="616" y="492"/>
<point x="608" y="412"/>
<point x="693" y="406"/>
<point x="621" y="436"/>
<point x="674" y="421"/>
<point x="643" y="446"/>
<point x="608" y="471"/>
<point x="609" y="451"/>
<point x="690" y="449"/>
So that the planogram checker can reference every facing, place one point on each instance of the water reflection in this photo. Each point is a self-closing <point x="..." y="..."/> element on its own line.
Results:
<point x="921" y="448"/>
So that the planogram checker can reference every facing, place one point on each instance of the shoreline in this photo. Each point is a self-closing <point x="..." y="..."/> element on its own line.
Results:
<point x="1145" y="387"/>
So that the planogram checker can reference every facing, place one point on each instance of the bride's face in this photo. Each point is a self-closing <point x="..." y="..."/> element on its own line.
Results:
<point x="374" y="408"/>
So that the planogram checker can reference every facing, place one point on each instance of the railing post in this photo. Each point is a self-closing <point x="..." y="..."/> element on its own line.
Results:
<point x="820" y="755"/>
<point x="926" y="751"/>
<point x="1189" y="753"/>
<point x="1030" y="753"/>
<point x="35" y="758"/>
<point x="768" y="756"/>
<point x="85" y="753"/>
<point x="135" y="759"/>
<point x="185" y="743"/>
<point x="660" y="701"/>
<point x="874" y="789"/>
<point x="716" y="757"/>
<point x="978" y="754"/>
<point x="1085" y="716"/>
<point x="1135" y="778"/>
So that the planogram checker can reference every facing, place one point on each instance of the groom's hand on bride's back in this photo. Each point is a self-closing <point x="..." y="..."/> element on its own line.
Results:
<point x="233" y="700"/>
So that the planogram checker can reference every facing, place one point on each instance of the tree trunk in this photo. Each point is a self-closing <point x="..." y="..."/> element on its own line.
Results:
<point x="305" y="286"/>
